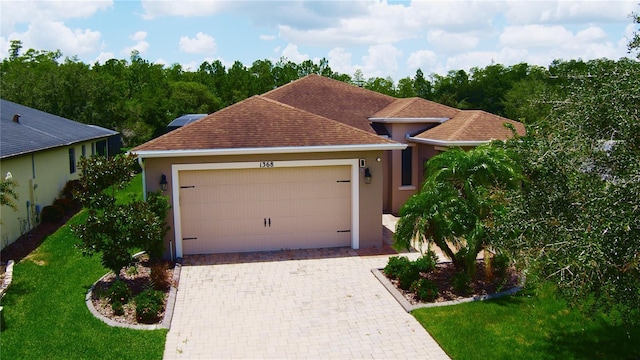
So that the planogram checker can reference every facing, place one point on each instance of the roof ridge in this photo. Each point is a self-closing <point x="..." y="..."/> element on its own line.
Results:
<point x="324" y="118"/>
<point x="411" y="101"/>
<point x="473" y="115"/>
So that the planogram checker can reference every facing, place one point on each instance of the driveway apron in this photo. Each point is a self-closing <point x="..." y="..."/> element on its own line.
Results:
<point x="309" y="305"/>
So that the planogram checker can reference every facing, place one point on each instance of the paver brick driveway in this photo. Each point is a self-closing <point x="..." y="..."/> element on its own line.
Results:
<point x="315" y="304"/>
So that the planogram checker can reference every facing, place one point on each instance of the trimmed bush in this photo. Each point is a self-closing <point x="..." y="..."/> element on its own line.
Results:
<point x="71" y="189"/>
<point x="425" y="290"/>
<point x="52" y="214"/>
<point x="407" y="276"/>
<point x="461" y="283"/>
<point x="148" y="305"/>
<point x="427" y="262"/>
<point x="118" y="291"/>
<point x="159" y="276"/>
<point x="500" y="264"/>
<point x="117" y="308"/>
<point x="396" y="265"/>
<point x="65" y="204"/>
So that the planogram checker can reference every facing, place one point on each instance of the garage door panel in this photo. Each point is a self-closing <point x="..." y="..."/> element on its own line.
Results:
<point x="225" y="210"/>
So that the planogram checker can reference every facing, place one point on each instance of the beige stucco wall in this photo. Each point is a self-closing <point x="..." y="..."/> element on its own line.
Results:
<point x="370" y="199"/>
<point x="396" y="194"/>
<point x="41" y="176"/>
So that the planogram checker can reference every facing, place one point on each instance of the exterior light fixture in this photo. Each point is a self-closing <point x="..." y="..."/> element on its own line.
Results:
<point x="367" y="176"/>
<point x="163" y="182"/>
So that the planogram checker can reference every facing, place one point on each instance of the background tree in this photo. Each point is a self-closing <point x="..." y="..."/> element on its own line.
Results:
<point x="455" y="207"/>
<point x="576" y="221"/>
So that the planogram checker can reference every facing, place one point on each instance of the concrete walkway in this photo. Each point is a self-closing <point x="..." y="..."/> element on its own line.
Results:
<point x="312" y="304"/>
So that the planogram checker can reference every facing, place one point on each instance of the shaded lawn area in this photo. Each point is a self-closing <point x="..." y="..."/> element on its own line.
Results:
<point x="45" y="312"/>
<point x="527" y="326"/>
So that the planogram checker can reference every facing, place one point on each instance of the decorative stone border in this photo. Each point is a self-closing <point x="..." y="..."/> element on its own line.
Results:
<point x="408" y="307"/>
<point x="168" y="312"/>
<point x="8" y="277"/>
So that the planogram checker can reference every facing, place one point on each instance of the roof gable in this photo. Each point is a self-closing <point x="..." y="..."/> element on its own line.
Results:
<point x="332" y="99"/>
<point x="37" y="130"/>
<point x="472" y="125"/>
<point x="259" y="122"/>
<point x="415" y="108"/>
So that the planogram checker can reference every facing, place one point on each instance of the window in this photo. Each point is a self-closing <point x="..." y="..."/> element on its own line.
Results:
<point x="407" y="171"/>
<point x="84" y="150"/>
<point x="72" y="160"/>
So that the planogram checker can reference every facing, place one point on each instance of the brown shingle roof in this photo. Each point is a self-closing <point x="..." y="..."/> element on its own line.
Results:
<point x="415" y="108"/>
<point x="472" y="125"/>
<point x="332" y="99"/>
<point x="259" y="122"/>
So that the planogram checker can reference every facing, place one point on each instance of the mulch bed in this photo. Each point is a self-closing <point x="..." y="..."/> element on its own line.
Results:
<point x="443" y="274"/>
<point x="137" y="277"/>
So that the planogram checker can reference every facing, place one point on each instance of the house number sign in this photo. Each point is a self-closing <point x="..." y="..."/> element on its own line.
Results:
<point x="266" y="164"/>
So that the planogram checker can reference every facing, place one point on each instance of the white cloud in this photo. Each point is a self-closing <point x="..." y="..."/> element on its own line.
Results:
<point x="159" y="8"/>
<point x="340" y="61"/>
<point x="104" y="57"/>
<point x="528" y="36"/>
<point x="422" y="59"/>
<point x="54" y="35"/>
<point x="567" y="11"/>
<point x="381" y="60"/>
<point x="291" y="52"/>
<point x="201" y="44"/>
<point x="141" y="44"/>
<point x="453" y="42"/>
<point x="267" y="37"/>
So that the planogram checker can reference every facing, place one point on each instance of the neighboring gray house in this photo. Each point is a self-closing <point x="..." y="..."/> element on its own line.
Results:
<point x="41" y="151"/>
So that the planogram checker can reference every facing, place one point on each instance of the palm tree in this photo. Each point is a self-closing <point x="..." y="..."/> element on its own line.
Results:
<point x="455" y="206"/>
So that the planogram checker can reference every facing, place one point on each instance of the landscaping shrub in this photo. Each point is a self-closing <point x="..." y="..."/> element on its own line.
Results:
<point x="71" y="189"/>
<point x="117" y="307"/>
<point x="425" y="290"/>
<point x="500" y="264"/>
<point x="148" y="305"/>
<point x="427" y="262"/>
<point x="396" y="265"/>
<point x="52" y="214"/>
<point x="65" y="204"/>
<point x="461" y="283"/>
<point x="159" y="276"/>
<point x="118" y="291"/>
<point x="407" y="276"/>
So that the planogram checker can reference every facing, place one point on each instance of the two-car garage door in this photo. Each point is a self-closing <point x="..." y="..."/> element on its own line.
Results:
<point x="259" y="209"/>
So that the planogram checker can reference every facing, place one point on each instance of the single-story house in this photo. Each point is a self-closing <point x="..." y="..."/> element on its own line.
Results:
<point x="41" y="151"/>
<point x="311" y="164"/>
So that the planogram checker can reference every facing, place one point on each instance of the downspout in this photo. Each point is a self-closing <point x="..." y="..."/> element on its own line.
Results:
<point x="144" y="178"/>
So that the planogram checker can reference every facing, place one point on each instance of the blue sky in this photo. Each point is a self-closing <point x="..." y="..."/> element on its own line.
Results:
<point x="381" y="38"/>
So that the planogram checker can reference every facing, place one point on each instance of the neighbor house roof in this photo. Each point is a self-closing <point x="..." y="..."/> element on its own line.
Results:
<point x="332" y="99"/>
<point x="260" y="122"/>
<point x="414" y="108"/>
<point x="469" y="127"/>
<point x="37" y="130"/>
<point x="184" y="120"/>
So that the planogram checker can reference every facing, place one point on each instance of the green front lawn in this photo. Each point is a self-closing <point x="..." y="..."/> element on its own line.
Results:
<point x="527" y="326"/>
<point x="45" y="313"/>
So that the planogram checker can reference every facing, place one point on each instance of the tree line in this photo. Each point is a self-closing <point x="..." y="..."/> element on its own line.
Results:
<point x="139" y="98"/>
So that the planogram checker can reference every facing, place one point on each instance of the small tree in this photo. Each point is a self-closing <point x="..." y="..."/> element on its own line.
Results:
<point x="115" y="229"/>
<point x="457" y="203"/>
<point x="8" y="194"/>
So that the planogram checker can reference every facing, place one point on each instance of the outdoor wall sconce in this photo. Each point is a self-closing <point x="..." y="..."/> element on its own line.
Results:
<point x="163" y="182"/>
<point x="367" y="176"/>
